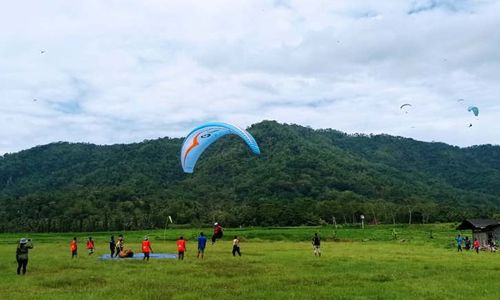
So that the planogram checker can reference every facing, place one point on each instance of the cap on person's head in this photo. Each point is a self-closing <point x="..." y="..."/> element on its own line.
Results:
<point x="23" y="241"/>
<point x="146" y="238"/>
<point x="215" y="224"/>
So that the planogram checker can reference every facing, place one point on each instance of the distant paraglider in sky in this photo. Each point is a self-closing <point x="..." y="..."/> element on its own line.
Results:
<point x="406" y="107"/>
<point x="474" y="110"/>
<point x="203" y="136"/>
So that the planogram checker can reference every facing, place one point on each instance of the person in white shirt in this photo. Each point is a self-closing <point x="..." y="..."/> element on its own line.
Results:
<point x="236" y="246"/>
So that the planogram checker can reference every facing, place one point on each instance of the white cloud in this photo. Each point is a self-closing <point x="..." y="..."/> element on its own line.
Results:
<point x="124" y="71"/>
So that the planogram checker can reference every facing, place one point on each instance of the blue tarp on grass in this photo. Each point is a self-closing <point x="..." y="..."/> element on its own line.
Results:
<point x="140" y="256"/>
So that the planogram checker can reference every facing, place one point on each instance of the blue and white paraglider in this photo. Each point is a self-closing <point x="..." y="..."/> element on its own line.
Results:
<point x="474" y="110"/>
<point x="203" y="136"/>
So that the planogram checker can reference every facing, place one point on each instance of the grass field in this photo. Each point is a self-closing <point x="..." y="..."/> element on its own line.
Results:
<point x="277" y="263"/>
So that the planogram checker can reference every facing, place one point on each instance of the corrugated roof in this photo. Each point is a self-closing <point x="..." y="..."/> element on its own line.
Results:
<point x="478" y="224"/>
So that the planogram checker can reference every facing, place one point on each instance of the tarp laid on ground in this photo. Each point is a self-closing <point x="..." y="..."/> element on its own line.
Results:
<point x="140" y="256"/>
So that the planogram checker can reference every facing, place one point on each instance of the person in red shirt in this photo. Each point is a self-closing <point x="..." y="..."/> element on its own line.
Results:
<point x="146" y="248"/>
<point x="476" y="245"/>
<point x="73" y="247"/>
<point x="218" y="232"/>
<point x="181" y="248"/>
<point x="90" y="246"/>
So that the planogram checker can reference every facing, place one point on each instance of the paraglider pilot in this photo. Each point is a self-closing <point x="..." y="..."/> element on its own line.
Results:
<point x="218" y="232"/>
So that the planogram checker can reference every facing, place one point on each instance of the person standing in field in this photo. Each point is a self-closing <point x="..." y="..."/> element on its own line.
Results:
<point x="459" y="240"/>
<point x="90" y="246"/>
<point x="316" y="242"/>
<point x="119" y="245"/>
<point x="112" y="246"/>
<point x="22" y="254"/>
<point x="181" y="248"/>
<point x="467" y="243"/>
<point x="476" y="245"/>
<point x="202" y="242"/>
<point x="73" y="246"/>
<point x="236" y="246"/>
<point x="146" y="248"/>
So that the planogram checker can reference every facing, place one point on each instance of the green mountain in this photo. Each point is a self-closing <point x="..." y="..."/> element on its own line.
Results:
<point x="303" y="176"/>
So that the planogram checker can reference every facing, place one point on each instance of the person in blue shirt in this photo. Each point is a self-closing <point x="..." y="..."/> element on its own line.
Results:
<point x="202" y="242"/>
<point x="459" y="240"/>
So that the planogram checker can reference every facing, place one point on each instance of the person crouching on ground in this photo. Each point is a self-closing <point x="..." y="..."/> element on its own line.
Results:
<point x="22" y="254"/>
<point x="181" y="248"/>
<point x="146" y="248"/>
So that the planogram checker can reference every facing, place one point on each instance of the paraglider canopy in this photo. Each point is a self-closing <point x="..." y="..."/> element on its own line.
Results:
<point x="474" y="110"/>
<point x="405" y="107"/>
<point x="203" y="136"/>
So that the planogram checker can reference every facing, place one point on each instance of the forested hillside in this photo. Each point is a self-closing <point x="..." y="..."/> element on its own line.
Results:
<point x="303" y="176"/>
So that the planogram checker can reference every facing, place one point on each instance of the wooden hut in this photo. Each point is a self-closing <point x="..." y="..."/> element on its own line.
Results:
<point x="482" y="229"/>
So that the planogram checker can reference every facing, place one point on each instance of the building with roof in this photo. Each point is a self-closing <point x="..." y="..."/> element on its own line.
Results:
<point x="482" y="229"/>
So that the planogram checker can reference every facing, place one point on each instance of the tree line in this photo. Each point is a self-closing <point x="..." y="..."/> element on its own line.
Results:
<point x="303" y="177"/>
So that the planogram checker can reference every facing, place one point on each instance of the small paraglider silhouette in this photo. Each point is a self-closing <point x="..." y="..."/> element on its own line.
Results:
<point x="42" y="51"/>
<point x="470" y="125"/>
<point x="405" y="107"/>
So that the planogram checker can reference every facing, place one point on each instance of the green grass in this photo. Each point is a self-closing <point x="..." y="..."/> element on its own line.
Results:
<point x="277" y="263"/>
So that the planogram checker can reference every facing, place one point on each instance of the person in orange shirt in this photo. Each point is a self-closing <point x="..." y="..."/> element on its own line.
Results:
<point x="90" y="246"/>
<point x="181" y="248"/>
<point x="73" y="247"/>
<point x="476" y="245"/>
<point x="146" y="248"/>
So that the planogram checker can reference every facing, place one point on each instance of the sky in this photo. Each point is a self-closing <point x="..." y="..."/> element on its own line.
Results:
<point x="109" y="72"/>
